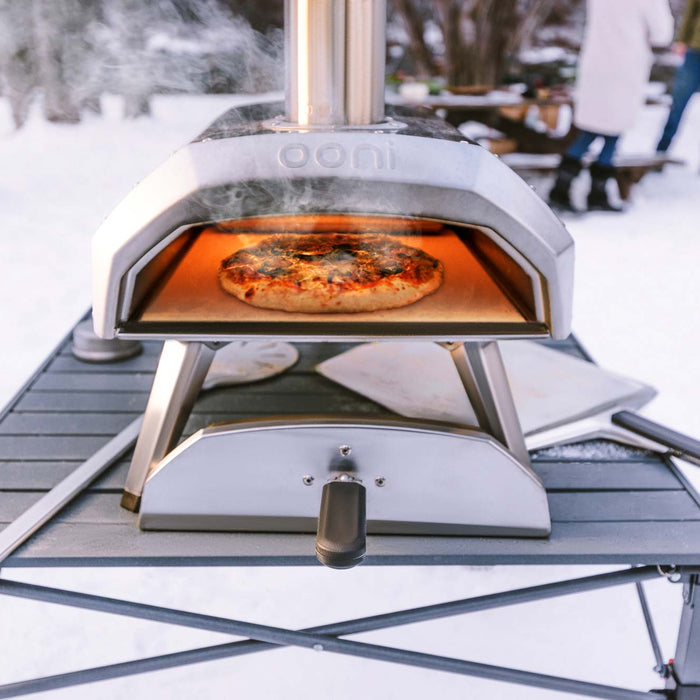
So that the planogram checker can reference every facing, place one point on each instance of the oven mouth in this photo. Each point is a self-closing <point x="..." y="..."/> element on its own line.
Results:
<point x="484" y="290"/>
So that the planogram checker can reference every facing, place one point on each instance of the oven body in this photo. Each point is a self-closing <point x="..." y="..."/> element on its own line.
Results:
<point x="334" y="165"/>
<point x="415" y="170"/>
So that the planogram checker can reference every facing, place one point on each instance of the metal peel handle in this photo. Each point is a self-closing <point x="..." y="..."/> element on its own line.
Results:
<point x="683" y="446"/>
<point x="342" y="524"/>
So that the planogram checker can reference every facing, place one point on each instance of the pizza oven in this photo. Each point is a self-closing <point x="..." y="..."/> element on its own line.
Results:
<point x="334" y="166"/>
<point x="507" y="259"/>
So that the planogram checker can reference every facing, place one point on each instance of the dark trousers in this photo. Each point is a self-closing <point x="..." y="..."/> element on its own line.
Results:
<point x="583" y="142"/>
<point x="687" y="82"/>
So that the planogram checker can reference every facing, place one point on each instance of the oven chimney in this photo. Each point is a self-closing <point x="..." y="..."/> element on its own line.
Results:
<point x="335" y="62"/>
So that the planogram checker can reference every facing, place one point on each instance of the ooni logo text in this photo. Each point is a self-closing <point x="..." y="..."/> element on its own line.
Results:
<point x="363" y="156"/>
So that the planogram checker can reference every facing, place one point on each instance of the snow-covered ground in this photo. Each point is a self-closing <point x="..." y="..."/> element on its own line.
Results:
<point x="637" y="290"/>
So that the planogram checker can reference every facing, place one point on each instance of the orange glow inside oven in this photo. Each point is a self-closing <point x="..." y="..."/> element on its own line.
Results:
<point x="481" y="284"/>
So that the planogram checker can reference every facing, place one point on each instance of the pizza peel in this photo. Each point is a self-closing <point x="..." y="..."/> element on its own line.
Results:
<point x="551" y="389"/>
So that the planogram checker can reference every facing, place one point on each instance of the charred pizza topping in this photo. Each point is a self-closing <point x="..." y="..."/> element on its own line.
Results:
<point x="330" y="272"/>
<point x="337" y="259"/>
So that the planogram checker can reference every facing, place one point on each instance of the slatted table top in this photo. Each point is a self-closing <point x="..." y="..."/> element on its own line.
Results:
<point x="608" y="505"/>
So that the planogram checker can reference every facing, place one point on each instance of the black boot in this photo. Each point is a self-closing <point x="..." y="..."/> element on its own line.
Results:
<point x="598" y="196"/>
<point x="560" y="195"/>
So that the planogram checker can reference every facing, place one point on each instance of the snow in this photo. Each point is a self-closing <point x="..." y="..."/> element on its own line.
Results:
<point x="636" y="296"/>
<point x="547" y="54"/>
<point x="592" y="450"/>
<point x="637" y="283"/>
<point x="57" y="184"/>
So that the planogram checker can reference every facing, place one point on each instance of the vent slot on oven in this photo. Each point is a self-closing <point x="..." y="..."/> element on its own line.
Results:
<point x="486" y="288"/>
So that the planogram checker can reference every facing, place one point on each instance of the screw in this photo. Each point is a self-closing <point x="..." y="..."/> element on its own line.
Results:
<point x="318" y="647"/>
<point x="308" y="480"/>
<point x="345" y="450"/>
<point x="380" y="481"/>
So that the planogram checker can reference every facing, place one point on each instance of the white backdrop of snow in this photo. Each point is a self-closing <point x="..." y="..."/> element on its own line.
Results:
<point x="635" y="309"/>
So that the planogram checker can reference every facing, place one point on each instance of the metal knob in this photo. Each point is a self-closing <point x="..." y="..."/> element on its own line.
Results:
<point x="342" y="524"/>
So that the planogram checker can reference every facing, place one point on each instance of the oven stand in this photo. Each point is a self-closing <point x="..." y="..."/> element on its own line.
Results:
<point x="183" y="367"/>
<point x="483" y="374"/>
<point x="181" y="371"/>
<point x="682" y="675"/>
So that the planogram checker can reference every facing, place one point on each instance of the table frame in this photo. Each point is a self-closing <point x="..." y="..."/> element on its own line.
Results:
<point x="681" y="676"/>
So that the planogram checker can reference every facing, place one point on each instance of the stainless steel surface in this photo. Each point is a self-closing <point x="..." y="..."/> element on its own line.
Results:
<point x="89" y="347"/>
<point x="416" y="176"/>
<point x="361" y="335"/>
<point x="599" y="427"/>
<point x="23" y="527"/>
<point x="181" y="371"/>
<point x="481" y="370"/>
<point x="438" y="479"/>
<point x="315" y="61"/>
<point x="335" y="62"/>
<point x="419" y="380"/>
<point x="335" y="67"/>
<point x="365" y="61"/>
<point x="596" y="427"/>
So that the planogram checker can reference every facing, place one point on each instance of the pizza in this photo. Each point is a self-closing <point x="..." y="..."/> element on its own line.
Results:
<point x="330" y="273"/>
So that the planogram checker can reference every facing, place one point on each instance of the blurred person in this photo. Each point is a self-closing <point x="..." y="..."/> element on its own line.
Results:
<point x="613" y="71"/>
<point x="688" y="77"/>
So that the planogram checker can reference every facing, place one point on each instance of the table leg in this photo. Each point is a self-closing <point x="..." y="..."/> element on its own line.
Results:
<point x="624" y="184"/>
<point x="684" y="683"/>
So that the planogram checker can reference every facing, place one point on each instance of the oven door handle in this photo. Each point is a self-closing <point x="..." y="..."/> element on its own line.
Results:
<point x="680" y="445"/>
<point x="341" y="537"/>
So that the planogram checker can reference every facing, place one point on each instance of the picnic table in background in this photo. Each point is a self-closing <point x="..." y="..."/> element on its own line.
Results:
<point x="523" y="148"/>
<point x="629" y="169"/>
<point x="505" y="111"/>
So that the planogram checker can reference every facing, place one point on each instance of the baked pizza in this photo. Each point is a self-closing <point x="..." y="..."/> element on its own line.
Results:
<point x="330" y="273"/>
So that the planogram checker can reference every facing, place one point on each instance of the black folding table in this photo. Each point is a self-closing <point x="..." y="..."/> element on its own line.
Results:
<point x="628" y="508"/>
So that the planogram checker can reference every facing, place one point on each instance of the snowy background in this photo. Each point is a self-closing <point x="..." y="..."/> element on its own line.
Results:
<point x="636" y="299"/>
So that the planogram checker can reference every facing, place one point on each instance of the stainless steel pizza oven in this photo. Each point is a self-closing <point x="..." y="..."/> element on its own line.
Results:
<point x="334" y="163"/>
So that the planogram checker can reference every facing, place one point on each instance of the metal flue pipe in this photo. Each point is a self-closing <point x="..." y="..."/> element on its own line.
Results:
<point x="335" y="62"/>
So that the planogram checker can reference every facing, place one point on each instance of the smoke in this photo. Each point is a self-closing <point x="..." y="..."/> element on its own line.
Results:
<point x="208" y="50"/>
<point x="71" y="51"/>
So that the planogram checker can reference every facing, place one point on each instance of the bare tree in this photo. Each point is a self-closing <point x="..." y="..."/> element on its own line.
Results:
<point x="18" y="69"/>
<point x="479" y="35"/>
<point x="50" y="47"/>
<point x="87" y="56"/>
<point x="54" y="31"/>
<point x="129" y="20"/>
<point x="423" y="59"/>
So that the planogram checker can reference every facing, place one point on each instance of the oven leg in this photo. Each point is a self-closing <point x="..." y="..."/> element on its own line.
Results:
<point x="181" y="371"/>
<point x="483" y="375"/>
<point x="684" y="683"/>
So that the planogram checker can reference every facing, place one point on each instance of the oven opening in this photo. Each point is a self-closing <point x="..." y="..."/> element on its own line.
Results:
<point x="334" y="275"/>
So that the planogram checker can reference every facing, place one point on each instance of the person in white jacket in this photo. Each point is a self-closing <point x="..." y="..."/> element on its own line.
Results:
<point x="613" y="72"/>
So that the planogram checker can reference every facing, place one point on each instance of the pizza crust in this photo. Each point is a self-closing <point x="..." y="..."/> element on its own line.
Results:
<point x="344" y="273"/>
